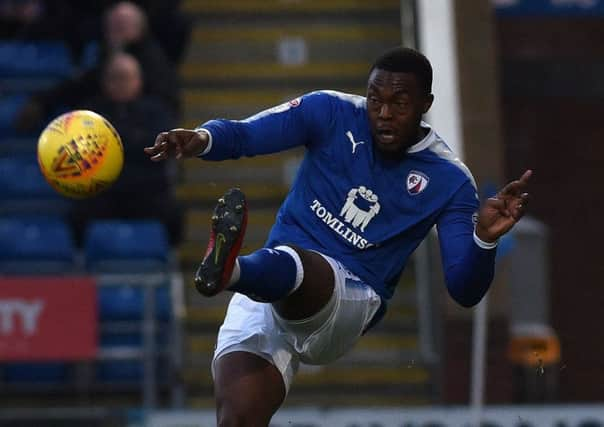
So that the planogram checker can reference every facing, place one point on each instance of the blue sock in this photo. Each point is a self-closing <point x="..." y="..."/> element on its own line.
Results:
<point x="269" y="275"/>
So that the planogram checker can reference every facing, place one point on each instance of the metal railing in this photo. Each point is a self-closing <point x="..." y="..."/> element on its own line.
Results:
<point x="147" y="353"/>
<point x="148" y="325"/>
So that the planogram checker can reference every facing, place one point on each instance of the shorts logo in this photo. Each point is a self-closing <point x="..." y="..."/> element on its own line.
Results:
<point x="416" y="182"/>
<point x="360" y="216"/>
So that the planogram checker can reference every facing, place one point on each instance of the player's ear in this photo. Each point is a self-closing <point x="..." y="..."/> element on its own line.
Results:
<point x="427" y="103"/>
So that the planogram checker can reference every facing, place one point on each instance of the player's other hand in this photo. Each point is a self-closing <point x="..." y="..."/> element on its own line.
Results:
<point x="177" y="143"/>
<point x="499" y="213"/>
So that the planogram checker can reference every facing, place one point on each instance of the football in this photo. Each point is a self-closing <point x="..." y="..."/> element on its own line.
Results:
<point x="80" y="154"/>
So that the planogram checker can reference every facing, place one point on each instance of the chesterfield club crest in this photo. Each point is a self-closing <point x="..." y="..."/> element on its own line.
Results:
<point x="416" y="182"/>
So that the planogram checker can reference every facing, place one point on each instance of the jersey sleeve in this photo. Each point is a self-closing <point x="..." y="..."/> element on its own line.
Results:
<point x="468" y="267"/>
<point x="298" y="122"/>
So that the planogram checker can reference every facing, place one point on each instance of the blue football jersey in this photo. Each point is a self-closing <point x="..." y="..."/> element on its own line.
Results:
<point x="351" y="204"/>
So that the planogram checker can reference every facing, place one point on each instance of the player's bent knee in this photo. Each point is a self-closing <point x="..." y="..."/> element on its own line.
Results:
<point x="316" y="269"/>
<point x="310" y="263"/>
<point x="315" y="289"/>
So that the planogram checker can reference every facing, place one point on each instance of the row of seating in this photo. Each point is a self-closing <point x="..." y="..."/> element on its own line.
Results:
<point x="36" y="244"/>
<point x="31" y="65"/>
<point x="21" y="179"/>
<point x="36" y="240"/>
<point x="43" y="245"/>
<point x="109" y="246"/>
<point x="35" y="58"/>
<point x="27" y="67"/>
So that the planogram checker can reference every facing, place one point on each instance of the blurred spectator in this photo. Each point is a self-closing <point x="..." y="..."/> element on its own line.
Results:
<point x="144" y="190"/>
<point x="78" y="23"/>
<point x="125" y="29"/>
<point x="23" y="19"/>
<point x="170" y="26"/>
<point x="75" y="23"/>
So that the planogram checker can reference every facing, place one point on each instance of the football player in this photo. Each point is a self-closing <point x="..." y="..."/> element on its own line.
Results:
<point x="375" y="179"/>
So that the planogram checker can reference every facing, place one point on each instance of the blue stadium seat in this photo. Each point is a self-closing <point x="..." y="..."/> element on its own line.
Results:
<point x="21" y="178"/>
<point x="35" y="372"/>
<point x="120" y="370"/>
<point x="21" y="144"/>
<point x="126" y="370"/>
<point x="35" y="59"/>
<point x="117" y="246"/>
<point x="35" y="245"/>
<point x="126" y="302"/>
<point x="91" y="55"/>
<point x="9" y="108"/>
<point x="120" y="246"/>
<point x="23" y="189"/>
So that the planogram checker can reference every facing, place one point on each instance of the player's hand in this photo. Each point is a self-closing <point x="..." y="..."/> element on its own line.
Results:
<point x="499" y="213"/>
<point x="177" y="143"/>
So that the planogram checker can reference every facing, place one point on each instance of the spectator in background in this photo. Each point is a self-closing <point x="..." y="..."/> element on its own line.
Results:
<point x="51" y="20"/>
<point x="24" y="19"/>
<point x="78" y="23"/>
<point x="171" y="27"/>
<point x="125" y="29"/>
<point x="141" y="192"/>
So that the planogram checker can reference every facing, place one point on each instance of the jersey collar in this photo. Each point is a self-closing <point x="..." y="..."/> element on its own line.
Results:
<point x="425" y="142"/>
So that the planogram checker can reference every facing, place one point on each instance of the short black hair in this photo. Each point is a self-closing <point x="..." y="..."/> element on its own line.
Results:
<point x="405" y="60"/>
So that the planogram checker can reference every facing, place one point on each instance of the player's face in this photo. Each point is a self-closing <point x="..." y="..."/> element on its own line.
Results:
<point x="395" y="104"/>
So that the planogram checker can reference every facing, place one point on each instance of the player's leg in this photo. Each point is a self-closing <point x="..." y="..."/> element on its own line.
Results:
<point x="315" y="290"/>
<point x="248" y="390"/>
<point x="297" y="281"/>
<point x="253" y="364"/>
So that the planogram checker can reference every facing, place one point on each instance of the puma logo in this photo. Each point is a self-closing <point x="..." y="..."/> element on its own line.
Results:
<point x="353" y="142"/>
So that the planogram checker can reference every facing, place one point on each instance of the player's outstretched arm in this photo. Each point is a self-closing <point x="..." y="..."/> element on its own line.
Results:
<point x="469" y="263"/>
<point x="499" y="213"/>
<point x="177" y="143"/>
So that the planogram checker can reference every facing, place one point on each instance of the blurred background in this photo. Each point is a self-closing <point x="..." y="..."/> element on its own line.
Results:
<point x="99" y="322"/>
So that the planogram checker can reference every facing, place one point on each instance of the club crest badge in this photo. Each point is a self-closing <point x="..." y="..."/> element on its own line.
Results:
<point x="416" y="182"/>
<point x="295" y="102"/>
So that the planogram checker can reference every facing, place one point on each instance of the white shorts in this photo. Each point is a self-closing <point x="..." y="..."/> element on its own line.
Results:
<point x="256" y="328"/>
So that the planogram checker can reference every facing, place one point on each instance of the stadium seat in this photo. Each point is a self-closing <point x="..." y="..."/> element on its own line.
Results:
<point x="22" y="144"/>
<point x="14" y="140"/>
<point x="35" y="59"/>
<point x="20" y="178"/>
<point x="40" y="372"/>
<point x="9" y="108"/>
<point x="116" y="246"/>
<point x="127" y="247"/>
<point x="119" y="371"/>
<point x="35" y="245"/>
<point x="90" y="55"/>
<point x="127" y="370"/>
<point x="126" y="302"/>
<point x="23" y="189"/>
